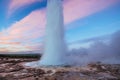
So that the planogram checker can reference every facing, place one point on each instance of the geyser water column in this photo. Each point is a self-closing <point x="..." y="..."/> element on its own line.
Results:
<point x="55" y="48"/>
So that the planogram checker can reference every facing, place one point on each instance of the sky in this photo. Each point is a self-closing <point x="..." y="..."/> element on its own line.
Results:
<point x="22" y="23"/>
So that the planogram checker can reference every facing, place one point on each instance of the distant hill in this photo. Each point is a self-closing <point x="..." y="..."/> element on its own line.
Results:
<point x="21" y="55"/>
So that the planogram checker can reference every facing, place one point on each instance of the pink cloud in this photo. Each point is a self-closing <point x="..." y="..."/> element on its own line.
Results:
<point x="29" y="28"/>
<point x="16" y="4"/>
<point x="11" y="43"/>
<point x="76" y="9"/>
<point x="33" y="25"/>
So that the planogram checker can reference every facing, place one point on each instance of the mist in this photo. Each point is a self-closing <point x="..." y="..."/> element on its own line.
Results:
<point x="105" y="52"/>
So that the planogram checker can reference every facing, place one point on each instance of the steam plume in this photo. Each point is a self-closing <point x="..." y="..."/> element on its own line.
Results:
<point x="55" y="49"/>
<point x="98" y="51"/>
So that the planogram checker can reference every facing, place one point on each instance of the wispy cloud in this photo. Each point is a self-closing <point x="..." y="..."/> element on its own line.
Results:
<point x="28" y="29"/>
<point x="76" y="9"/>
<point x="16" y="4"/>
<point x="73" y="9"/>
<point x="32" y="26"/>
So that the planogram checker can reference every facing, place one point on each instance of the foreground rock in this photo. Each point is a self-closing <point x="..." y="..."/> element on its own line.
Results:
<point x="14" y="70"/>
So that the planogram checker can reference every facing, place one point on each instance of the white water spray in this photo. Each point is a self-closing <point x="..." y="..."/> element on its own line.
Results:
<point x="55" y="49"/>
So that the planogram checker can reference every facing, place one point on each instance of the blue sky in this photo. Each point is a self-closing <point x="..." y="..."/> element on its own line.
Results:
<point x="22" y="23"/>
<point x="101" y="23"/>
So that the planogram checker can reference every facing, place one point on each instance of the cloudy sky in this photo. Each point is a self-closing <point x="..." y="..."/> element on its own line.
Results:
<point x="22" y="23"/>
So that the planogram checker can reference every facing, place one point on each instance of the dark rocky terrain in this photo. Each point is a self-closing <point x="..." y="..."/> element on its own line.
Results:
<point x="13" y="69"/>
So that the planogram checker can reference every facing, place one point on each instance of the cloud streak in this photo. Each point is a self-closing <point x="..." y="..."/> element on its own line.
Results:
<point x="16" y="4"/>
<point x="76" y="9"/>
<point x="26" y="30"/>
<point x="32" y="26"/>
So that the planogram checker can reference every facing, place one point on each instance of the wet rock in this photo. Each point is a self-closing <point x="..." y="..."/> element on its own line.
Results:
<point x="97" y="67"/>
<point x="24" y="71"/>
<point x="14" y="68"/>
<point x="22" y="75"/>
<point x="94" y="71"/>
<point x="104" y="76"/>
<point x="2" y="78"/>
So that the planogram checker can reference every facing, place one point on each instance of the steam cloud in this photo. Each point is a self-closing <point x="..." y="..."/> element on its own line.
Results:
<point x="98" y="51"/>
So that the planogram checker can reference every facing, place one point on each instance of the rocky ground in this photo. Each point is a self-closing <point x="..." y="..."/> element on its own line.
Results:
<point x="13" y="69"/>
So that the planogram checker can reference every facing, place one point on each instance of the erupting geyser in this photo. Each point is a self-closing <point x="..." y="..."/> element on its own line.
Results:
<point x="55" y="48"/>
